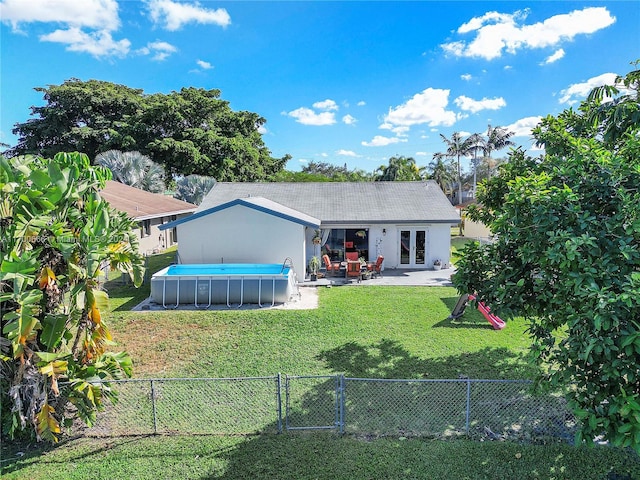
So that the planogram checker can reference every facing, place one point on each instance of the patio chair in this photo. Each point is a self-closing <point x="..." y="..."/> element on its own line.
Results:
<point x="351" y="256"/>
<point x="354" y="270"/>
<point x="376" y="267"/>
<point x="331" y="267"/>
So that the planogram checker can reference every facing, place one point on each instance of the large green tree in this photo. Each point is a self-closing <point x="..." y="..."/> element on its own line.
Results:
<point x="567" y="257"/>
<point x="57" y="234"/>
<point x="191" y="131"/>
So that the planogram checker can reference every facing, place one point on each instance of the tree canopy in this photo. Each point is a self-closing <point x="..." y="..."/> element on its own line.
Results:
<point x="191" y="131"/>
<point x="401" y="169"/>
<point x="57" y="234"/>
<point x="567" y="257"/>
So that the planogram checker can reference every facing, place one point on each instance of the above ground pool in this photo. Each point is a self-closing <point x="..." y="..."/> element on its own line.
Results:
<point x="233" y="284"/>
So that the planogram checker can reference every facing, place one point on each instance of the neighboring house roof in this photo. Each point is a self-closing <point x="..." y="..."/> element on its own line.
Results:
<point x="141" y="205"/>
<point x="256" y="203"/>
<point x="344" y="203"/>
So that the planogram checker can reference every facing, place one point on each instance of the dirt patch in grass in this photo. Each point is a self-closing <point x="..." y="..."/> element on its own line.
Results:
<point x="159" y="346"/>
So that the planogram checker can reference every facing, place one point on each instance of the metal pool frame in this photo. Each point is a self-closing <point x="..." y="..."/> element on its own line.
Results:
<point x="198" y="280"/>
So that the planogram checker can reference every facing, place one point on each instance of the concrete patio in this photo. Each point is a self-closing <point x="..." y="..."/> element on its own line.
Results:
<point x="392" y="277"/>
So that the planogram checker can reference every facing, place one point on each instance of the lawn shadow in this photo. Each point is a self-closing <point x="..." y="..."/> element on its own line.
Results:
<point x="389" y="359"/>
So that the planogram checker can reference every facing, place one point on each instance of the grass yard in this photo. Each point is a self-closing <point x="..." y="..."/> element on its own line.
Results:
<point x="361" y="331"/>
<point x="317" y="456"/>
<point x="367" y="331"/>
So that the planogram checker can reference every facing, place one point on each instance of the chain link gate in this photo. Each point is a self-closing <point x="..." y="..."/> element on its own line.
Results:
<point x="314" y="403"/>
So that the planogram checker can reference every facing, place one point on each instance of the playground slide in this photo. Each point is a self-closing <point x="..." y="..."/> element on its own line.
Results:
<point x="496" y="322"/>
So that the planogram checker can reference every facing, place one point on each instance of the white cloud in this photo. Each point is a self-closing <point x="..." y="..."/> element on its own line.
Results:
<point x="380" y="141"/>
<point x="160" y="50"/>
<point x="466" y="76"/>
<point x="306" y="116"/>
<point x="475" y="106"/>
<point x="96" y="14"/>
<point x="361" y="103"/>
<point x="347" y="153"/>
<point x="497" y="33"/>
<point x="428" y="107"/>
<point x="326" y="105"/>
<point x="204" y="65"/>
<point x="421" y="154"/>
<point x="557" y="55"/>
<point x="579" y="91"/>
<point x="349" y="120"/>
<point x="262" y="130"/>
<point x="522" y="127"/>
<point x="174" y="15"/>
<point x="326" y="116"/>
<point x="98" y="43"/>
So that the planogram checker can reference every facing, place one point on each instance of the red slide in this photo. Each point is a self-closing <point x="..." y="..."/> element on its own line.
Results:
<point x="496" y="322"/>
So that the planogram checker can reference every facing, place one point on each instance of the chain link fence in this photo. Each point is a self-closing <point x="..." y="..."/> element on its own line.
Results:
<point x="482" y="409"/>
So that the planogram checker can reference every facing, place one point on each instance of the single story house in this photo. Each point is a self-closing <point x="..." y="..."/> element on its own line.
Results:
<point x="150" y="210"/>
<point x="409" y="223"/>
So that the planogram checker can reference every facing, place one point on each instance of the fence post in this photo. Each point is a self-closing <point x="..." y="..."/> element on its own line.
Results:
<point x="466" y="427"/>
<point x="340" y="402"/>
<point x="286" y="394"/>
<point x="279" y="401"/>
<point x="153" y="406"/>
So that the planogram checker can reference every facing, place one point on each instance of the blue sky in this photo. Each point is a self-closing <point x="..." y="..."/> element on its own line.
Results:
<point x="340" y="82"/>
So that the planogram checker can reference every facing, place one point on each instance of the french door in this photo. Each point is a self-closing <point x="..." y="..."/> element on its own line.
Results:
<point x="413" y="248"/>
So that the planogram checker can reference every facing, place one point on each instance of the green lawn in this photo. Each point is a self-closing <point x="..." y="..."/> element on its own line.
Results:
<point x="316" y="456"/>
<point x="367" y="331"/>
<point x="361" y="331"/>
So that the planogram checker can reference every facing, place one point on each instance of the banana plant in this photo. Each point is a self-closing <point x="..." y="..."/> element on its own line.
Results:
<point x="56" y="233"/>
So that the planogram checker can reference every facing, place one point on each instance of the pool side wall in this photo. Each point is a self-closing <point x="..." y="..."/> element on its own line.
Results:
<point x="249" y="289"/>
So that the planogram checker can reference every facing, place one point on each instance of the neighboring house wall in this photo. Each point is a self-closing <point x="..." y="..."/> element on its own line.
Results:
<point x="242" y="235"/>
<point x="476" y="229"/>
<point x="152" y="240"/>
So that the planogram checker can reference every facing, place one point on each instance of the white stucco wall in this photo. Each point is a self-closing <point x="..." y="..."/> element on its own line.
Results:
<point x="476" y="229"/>
<point x="240" y="234"/>
<point x="384" y="240"/>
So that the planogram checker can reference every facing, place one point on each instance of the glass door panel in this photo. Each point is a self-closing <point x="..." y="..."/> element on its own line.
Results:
<point x="405" y="247"/>
<point x="420" y="246"/>
<point x="413" y="248"/>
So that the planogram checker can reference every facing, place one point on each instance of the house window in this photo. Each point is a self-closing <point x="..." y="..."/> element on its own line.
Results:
<point x="145" y="228"/>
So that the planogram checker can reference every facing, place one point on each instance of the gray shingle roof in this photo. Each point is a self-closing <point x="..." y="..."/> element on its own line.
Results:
<point x="336" y="203"/>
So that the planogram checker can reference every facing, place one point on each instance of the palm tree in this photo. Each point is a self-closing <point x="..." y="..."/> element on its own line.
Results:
<point x="475" y="142"/>
<point x="193" y="188"/>
<point x="401" y="169"/>
<point x="456" y="148"/>
<point x="442" y="173"/>
<point x="134" y="169"/>
<point x="497" y="139"/>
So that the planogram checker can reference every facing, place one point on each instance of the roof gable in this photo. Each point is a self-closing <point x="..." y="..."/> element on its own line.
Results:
<point x="260" y="204"/>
